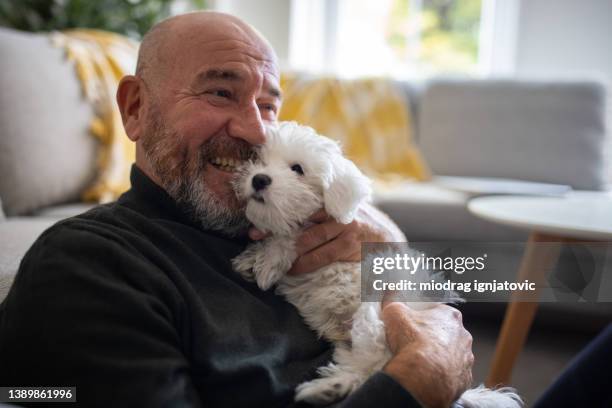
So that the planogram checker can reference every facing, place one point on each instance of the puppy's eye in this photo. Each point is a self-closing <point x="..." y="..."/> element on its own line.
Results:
<point x="298" y="169"/>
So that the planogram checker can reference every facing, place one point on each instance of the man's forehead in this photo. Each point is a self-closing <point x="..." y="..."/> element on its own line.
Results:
<point x="228" y="49"/>
<point x="207" y="46"/>
<point x="197" y="53"/>
<point x="218" y="33"/>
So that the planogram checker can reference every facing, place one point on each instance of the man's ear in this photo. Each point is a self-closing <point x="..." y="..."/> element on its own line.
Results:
<point x="346" y="190"/>
<point x="130" y="98"/>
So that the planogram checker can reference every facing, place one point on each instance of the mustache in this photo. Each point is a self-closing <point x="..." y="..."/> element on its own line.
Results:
<point x="225" y="146"/>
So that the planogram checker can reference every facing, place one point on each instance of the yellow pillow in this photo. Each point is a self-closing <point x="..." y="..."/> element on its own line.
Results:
<point x="101" y="60"/>
<point x="369" y="117"/>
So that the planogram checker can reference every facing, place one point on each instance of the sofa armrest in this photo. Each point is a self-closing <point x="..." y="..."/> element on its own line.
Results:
<point x="17" y="234"/>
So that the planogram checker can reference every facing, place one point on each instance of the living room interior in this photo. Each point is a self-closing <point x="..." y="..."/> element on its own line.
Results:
<point x="479" y="121"/>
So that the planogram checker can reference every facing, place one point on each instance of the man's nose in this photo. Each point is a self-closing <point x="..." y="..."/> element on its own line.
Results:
<point x="248" y="125"/>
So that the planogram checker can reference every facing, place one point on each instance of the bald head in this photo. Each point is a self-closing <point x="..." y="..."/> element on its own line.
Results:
<point x="169" y="41"/>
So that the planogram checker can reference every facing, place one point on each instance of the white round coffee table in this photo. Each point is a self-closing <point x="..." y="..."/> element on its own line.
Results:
<point x="575" y="217"/>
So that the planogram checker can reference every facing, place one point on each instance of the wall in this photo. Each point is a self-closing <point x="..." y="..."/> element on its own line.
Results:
<point x="270" y="17"/>
<point x="565" y="37"/>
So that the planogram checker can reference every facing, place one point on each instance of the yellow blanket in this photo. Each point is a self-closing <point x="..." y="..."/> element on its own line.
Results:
<point x="101" y="59"/>
<point x="369" y="117"/>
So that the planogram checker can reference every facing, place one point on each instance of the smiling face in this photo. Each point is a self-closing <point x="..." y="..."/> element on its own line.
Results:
<point x="208" y="84"/>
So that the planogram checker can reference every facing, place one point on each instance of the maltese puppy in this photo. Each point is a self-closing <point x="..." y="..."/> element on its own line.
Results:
<point x="297" y="173"/>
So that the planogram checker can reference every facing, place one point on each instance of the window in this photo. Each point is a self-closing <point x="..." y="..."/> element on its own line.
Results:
<point x="403" y="38"/>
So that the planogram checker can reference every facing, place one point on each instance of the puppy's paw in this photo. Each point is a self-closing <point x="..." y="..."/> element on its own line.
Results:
<point x="323" y="391"/>
<point x="270" y="267"/>
<point x="266" y="274"/>
<point x="244" y="263"/>
<point x="482" y="397"/>
<point x="264" y="262"/>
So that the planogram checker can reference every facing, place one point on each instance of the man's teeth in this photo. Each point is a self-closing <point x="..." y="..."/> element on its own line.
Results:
<point x="226" y="163"/>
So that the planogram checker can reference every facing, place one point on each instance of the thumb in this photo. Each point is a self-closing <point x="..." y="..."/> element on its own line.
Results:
<point x="398" y="322"/>
<point x="389" y="297"/>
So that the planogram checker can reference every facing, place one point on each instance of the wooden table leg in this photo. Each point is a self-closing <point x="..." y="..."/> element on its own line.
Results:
<point x="537" y="261"/>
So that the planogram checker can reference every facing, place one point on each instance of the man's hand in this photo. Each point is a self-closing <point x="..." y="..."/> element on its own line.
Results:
<point x="432" y="352"/>
<point x="328" y="241"/>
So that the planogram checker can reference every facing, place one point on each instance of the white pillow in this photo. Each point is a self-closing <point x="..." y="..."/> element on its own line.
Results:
<point x="47" y="155"/>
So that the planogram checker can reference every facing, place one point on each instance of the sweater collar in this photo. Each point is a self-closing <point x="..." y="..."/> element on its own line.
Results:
<point x="152" y="200"/>
<point x="151" y="196"/>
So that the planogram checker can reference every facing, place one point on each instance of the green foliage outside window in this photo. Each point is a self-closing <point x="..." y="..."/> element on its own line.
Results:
<point x="442" y="37"/>
<point x="128" y="17"/>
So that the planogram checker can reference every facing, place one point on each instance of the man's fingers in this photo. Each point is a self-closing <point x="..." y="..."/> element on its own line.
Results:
<point x="393" y="310"/>
<point x="317" y="235"/>
<point x="457" y="315"/>
<point x="437" y="344"/>
<point x="339" y="249"/>
<point x="470" y="360"/>
<point x="398" y="325"/>
<point x="469" y="338"/>
<point x="309" y="262"/>
<point x="388" y="298"/>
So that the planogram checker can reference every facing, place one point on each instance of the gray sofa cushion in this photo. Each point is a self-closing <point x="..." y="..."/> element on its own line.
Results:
<point x="59" y="212"/>
<point x="47" y="155"/>
<point x="539" y="131"/>
<point x="16" y="236"/>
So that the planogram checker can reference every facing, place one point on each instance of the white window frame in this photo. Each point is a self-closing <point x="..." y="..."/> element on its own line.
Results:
<point x="498" y="37"/>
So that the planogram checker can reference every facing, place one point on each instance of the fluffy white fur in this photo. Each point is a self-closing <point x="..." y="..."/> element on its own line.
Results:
<point x="328" y="299"/>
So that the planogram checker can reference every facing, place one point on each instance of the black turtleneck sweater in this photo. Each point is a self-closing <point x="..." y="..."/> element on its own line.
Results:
<point x="137" y="306"/>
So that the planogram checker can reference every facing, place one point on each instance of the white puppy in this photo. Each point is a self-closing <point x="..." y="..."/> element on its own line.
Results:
<point x="297" y="173"/>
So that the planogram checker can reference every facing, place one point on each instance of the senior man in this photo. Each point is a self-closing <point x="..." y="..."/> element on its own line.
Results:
<point x="135" y="302"/>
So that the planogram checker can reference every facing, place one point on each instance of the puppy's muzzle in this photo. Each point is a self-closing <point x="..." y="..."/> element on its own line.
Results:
<point x="260" y="182"/>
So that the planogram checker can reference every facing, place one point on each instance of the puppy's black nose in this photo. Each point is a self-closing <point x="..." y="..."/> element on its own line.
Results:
<point x="261" y="181"/>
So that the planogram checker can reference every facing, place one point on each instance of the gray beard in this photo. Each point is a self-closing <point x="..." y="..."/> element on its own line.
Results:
<point x="182" y="179"/>
<point x="192" y="195"/>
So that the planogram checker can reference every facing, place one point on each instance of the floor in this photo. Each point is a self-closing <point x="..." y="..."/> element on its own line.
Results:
<point x="546" y="353"/>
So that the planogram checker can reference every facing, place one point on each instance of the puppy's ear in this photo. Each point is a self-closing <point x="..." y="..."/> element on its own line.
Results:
<point x="345" y="190"/>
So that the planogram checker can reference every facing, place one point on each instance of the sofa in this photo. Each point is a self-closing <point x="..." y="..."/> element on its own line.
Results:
<point x="542" y="131"/>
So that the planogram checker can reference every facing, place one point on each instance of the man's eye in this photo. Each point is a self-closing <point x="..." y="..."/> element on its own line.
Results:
<point x="221" y="93"/>
<point x="267" y="107"/>
<point x="298" y="169"/>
